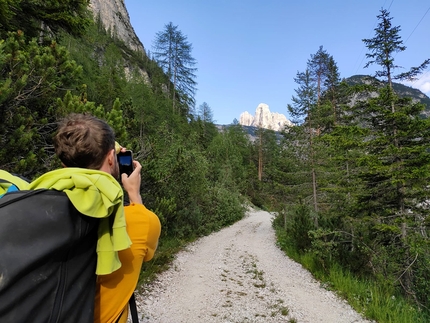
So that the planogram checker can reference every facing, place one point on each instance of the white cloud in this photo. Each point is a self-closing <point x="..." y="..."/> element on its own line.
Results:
<point x="422" y="84"/>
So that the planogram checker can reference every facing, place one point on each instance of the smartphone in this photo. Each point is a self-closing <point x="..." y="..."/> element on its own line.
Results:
<point x="125" y="162"/>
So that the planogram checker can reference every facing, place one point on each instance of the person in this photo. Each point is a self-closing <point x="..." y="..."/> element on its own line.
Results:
<point x="84" y="141"/>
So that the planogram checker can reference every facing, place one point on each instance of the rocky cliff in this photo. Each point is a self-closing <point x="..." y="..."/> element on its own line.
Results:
<point x="401" y="90"/>
<point x="265" y="119"/>
<point x="114" y="16"/>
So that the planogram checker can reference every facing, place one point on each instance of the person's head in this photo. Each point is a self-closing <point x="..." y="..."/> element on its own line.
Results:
<point x="87" y="142"/>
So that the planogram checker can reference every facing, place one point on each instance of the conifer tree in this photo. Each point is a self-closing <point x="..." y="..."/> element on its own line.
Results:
<point x="115" y="118"/>
<point x="396" y="164"/>
<point x="332" y="95"/>
<point x="383" y="46"/>
<point x="205" y="112"/>
<point x="172" y="52"/>
<point x="305" y="98"/>
<point x="32" y="78"/>
<point x="318" y="67"/>
<point x="35" y="17"/>
<point x="205" y="126"/>
<point x="303" y="105"/>
<point x="325" y="75"/>
<point x="229" y="153"/>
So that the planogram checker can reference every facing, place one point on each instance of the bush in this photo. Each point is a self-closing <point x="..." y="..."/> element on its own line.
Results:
<point x="421" y="271"/>
<point x="298" y="226"/>
<point x="225" y="207"/>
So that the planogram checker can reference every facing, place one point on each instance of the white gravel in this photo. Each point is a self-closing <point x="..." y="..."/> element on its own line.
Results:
<point x="239" y="275"/>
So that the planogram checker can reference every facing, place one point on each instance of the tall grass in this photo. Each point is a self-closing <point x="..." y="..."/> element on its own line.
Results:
<point x="374" y="300"/>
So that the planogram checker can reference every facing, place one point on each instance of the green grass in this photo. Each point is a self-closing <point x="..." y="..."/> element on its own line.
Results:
<point x="374" y="300"/>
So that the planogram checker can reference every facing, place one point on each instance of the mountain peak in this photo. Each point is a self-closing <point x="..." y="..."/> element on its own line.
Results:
<point x="265" y="119"/>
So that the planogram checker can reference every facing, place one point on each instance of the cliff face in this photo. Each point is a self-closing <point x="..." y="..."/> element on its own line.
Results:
<point x="265" y="119"/>
<point x="114" y="16"/>
<point x="246" y="119"/>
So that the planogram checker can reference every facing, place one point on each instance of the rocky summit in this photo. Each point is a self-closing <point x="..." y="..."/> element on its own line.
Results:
<point x="265" y="119"/>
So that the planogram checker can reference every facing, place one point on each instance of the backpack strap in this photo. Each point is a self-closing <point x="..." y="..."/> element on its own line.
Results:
<point x="133" y="310"/>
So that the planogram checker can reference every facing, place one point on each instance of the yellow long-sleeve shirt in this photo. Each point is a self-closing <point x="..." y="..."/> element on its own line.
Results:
<point x="114" y="290"/>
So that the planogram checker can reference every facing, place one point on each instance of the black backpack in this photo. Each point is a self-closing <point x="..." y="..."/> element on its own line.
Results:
<point x="47" y="259"/>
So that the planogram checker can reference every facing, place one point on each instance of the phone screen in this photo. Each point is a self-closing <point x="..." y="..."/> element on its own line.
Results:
<point x="125" y="162"/>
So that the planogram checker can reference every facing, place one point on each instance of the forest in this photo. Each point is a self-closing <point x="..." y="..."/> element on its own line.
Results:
<point x="348" y="182"/>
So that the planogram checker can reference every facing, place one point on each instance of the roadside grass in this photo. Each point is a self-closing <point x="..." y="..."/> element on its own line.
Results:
<point x="375" y="301"/>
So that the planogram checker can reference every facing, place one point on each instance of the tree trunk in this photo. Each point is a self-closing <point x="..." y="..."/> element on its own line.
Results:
<point x="173" y="90"/>
<point x="314" y="188"/>
<point x="260" y="157"/>
<point x="314" y="177"/>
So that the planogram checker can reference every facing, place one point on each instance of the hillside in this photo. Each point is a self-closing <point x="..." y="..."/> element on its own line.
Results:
<point x="401" y="89"/>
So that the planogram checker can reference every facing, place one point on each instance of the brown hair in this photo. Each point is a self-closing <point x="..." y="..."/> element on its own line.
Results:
<point x="83" y="141"/>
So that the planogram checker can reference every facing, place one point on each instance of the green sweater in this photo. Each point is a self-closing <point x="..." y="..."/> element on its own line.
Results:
<point x="11" y="180"/>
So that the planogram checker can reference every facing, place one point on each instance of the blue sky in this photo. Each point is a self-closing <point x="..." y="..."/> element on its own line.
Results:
<point x="249" y="52"/>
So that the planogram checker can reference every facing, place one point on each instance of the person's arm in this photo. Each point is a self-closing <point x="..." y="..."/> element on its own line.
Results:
<point x="131" y="184"/>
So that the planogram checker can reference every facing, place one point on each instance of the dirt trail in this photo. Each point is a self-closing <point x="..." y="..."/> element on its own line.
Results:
<point x="238" y="275"/>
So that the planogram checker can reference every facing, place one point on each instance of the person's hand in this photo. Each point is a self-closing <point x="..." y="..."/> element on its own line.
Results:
<point x="131" y="183"/>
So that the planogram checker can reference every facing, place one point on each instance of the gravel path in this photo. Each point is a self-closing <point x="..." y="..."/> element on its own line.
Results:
<point x="238" y="275"/>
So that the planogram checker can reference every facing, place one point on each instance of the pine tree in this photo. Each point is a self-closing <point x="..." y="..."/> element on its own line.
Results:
<point x="111" y="80"/>
<point x="324" y="72"/>
<point x="205" y="112"/>
<point x="172" y="52"/>
<point x="229" y="153"/>
<point x="396" y="163"/>
<point x="32" y="78"/>
<point x="395" y="174"/>
<point x="383" y="46"/>
<point x="115" y="119"/>
<point x="305" y="98"/>
<point x="318" y="67"/>
<point x="303" y="106"/>
<point x="325" y="76"/>
<point x="36" y="18"/>
<point x="205" y="127"/>
<point x="332" y="95"/>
